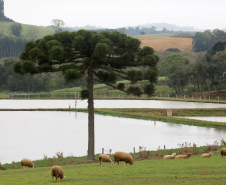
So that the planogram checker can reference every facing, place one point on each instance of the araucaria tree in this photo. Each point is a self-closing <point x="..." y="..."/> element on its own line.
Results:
<point x="102" y="56"/>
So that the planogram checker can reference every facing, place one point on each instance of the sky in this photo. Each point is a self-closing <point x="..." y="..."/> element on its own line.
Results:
<point x="200" y="14"/>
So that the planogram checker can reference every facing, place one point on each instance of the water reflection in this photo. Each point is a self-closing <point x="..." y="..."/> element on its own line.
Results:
<point x="34" y="134"/>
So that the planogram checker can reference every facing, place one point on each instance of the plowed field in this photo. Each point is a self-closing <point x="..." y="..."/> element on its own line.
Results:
<point x="162" y="43"/>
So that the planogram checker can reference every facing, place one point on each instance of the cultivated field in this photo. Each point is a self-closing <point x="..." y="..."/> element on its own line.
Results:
<point x="160" y="43"/>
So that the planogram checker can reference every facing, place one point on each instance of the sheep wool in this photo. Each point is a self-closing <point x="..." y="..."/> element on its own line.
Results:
<point x="170" y="156"/>
<point x="27" y="163"/>
<point x="57" y="171"/>
<point x="123" y="156"/>
<point x="183" y="156"/>
<point x="105" y="158"/>
<point x="206" y="155"/>
<point x="223" y="151"/>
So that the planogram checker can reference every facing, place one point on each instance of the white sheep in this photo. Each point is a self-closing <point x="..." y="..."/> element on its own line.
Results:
<point x="206" y="155"/>
<point x="223" y="151"/>
<point x="123" y="156"/>
<point x="57" y="171"/>
<point x="105" y="158"/>
<point x="27" y="163"/>
<point x="169" y="156"/>
<point x="183" y="156"/>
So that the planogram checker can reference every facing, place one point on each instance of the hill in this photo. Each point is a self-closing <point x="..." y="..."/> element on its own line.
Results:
<point x="161" y="43"/>
<point x="28" y="31"/>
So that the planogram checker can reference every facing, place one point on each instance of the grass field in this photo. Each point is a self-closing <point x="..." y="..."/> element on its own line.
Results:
<point x="160" y="43"/>
<point x="194" y="170"/>
<point x="41" y="31"/>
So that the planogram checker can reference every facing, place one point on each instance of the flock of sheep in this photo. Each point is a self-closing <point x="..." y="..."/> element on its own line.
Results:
<point x="57" y="171"/>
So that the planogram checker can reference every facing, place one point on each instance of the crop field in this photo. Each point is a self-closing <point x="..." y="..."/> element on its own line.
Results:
<point x="160" y="43"/>
<point x="195" y="170"/>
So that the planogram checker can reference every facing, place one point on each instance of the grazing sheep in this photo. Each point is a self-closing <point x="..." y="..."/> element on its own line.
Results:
<point x="169" y="156"/>
<point x="57" y="171"/>
<point x="183" y="156"/>
<point x="223" y="151"/>
<point x="123" y="156"/>
<point x="206" y="155"/>
<point x="27" y="163"/>
<point x="105" y="158"/>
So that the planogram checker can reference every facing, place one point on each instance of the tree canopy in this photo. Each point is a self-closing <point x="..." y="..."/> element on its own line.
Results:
<point x="105" y="57"/>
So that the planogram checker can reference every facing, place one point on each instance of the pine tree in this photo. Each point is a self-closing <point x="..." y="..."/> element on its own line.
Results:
<point x="2" y="15"/>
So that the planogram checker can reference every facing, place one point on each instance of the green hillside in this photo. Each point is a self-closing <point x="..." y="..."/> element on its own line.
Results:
<point x="27" y="30"/>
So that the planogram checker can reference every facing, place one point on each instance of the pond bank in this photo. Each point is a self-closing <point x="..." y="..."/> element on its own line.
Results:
<point x="160" y="115"/>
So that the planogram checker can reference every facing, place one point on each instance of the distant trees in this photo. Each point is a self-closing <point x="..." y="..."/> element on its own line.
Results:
<point x="10" y="81"/>
<point x="203" y="41"/>
<point x="2" y="14"/>
<point x="11" y="46"/>
<point x="16" y="29"/>
<point x="58" y="25"/>
<point x="186" y="74"/>
<point x="175" y="68"/>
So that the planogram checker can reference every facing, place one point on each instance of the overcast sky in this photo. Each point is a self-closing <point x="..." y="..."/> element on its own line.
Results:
<point x="201" y="14"/>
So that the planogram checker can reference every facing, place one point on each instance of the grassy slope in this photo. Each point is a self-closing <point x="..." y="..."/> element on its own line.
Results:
<point x="5" y="28"/>
<point x="194" y="170"/>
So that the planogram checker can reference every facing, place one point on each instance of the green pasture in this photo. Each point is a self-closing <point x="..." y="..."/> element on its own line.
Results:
<point x="26" y="30"/>
<point x="194" y="170"/>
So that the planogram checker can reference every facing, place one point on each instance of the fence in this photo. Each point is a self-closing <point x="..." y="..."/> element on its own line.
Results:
<point x="113" y="95"/>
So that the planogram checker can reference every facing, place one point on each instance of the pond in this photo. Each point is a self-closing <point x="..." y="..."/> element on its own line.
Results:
<point x="33" y="134"/>
<point x="34" y="104"/>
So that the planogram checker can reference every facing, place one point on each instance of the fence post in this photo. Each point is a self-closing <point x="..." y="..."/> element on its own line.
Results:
<point x="165" y="149"/>
<point x="102" y="150"/>
<point x="134" y="150"/>
<point x="218" y="98"/>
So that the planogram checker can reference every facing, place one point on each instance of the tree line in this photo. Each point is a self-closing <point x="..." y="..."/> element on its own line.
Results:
<point x="207" y="71"/>
<point x="10" y="81"/>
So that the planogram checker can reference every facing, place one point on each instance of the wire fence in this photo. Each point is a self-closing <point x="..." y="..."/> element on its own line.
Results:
<point x="115" y="96"/>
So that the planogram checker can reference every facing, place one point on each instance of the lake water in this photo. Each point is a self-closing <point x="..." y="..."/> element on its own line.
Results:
<point x="33" y="134"/>
<point x="33" y="104"/>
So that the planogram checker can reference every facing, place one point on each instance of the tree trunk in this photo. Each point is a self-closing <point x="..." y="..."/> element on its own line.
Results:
<point x="91" y="139"/>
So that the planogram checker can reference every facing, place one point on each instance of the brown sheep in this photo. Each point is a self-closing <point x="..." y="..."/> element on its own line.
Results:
<point x="123" y="156"/>
<point x="57" y="171"/>
<point x="223" y="152"/>
<point x="169" y="156"/>
<point x="183" y="156"/>
<point x="105" y="158"/>
<point x="27" y="163"/>
<point x="206" y="155"/>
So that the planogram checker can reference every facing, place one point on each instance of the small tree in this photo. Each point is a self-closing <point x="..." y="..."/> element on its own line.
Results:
<point x="16" y="29"/>
<point x="58" y="25"/>
<point x="103" y="56"/>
